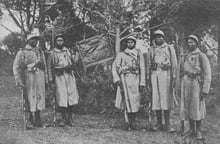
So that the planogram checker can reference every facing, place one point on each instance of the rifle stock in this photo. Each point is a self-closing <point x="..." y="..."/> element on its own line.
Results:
<point x="24" y="107"/>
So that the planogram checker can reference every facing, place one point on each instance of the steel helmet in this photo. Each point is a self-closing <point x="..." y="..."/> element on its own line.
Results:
<point x="193" y="37"/>
<point x="131" y="38"/>
<point x="59" y="35"/>
<point x="33" y="36"/>
<point x="159" y="32"/>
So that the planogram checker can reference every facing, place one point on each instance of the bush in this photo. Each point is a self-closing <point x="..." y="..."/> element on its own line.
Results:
<point x="97" y="92"/>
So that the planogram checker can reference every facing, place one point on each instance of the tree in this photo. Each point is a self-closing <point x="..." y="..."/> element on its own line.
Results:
<point x="25" y="13"/>
<point x="120" y="18"/>
<point x="13" y="41"/>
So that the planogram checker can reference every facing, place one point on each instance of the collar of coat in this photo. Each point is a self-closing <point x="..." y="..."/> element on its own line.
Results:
<point x="164" y="45"/>
<point x="133" y="52"/>
<point x="60" y="50"/>
<point x="28" y="47"/>
<point x="196" y="51"/>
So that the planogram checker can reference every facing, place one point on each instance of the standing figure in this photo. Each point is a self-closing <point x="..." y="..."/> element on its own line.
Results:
<point x="195" y="84"/>
<point x="61" y="74"/>
<point x="161" y="75"/>
<point x="129" y="75"/>
<point x="30" y="74"/>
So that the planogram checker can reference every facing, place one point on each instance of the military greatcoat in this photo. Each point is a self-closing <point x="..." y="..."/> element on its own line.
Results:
<point x="161" y="69"/>
<point x="29" y="68"/>
<point x="129" y="68"/>
<point x="196" y="78"/>
<point x="60" y="71"/>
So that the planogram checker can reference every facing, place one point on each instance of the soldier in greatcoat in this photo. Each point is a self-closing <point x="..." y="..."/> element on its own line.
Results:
<point x="61" y="73"/>
<point x="129" y="75"/>
<point x="161" y="76"/>
<point x="195" y="85"/>
<point x="29" y="69"/>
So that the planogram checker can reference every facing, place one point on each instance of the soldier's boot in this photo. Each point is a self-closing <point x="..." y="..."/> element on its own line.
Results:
<point x="198" y="130"/>
<point x="168" y="127"/>
<point x="63" y="111"/>
<point x="182" y="128"/>
<point x="129" y="128"/>
<point x="70" y="121"/>
<point x="37" y="122"/>
<point x="30" y="122"/>
<point x="62" y="122"/>
<point x="191" y="130"/>
<point x="127" y="125"/>
<point x="133" y="119"/>
<point x="159" y="125"/>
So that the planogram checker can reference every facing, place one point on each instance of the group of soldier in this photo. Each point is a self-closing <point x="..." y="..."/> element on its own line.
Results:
<point x="32" y="71"/>
<point x="132" y="72"/>
<point x="157" y="71"/>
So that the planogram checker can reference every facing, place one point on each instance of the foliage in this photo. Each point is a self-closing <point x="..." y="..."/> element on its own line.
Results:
<point x="96" y="91"/>
<point x="64" y="17"/>
<point x="5" y="63"/>
<point x="13" y="42"/>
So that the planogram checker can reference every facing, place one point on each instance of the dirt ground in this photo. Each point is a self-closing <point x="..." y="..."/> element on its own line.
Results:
<point x="89" y="129"/>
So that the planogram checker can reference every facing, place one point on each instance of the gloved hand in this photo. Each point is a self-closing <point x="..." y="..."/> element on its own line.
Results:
<point x="203" y="95"/>
<point x="148" y="85"/>
<point x="119" y="83"/>
<point x="141" y="89"/>
<point x="174" y="83"/>
<point x="20" y="84"/>
<point x="51" y="84"/>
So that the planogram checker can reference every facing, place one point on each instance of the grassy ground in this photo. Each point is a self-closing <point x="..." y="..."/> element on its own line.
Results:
<point x="89" y="129"/>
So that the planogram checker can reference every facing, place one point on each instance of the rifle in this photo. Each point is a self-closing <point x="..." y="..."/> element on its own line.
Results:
<point x="150" y="108"/>
<point x="54" y="106"/>
<point x="123" y="97"/>
<point x="24" y="107"/>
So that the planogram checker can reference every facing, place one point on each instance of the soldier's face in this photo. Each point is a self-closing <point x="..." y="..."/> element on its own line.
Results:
<point x="159" y="39"/>
<point x="60" y="41"/>
<point x="191" y="45"/>
<point x="130" y="44"/>
<point x="33" y="42"/>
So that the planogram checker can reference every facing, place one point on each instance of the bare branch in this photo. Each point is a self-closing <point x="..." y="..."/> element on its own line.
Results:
<point x="135" y="33"/>
<point x="13" y="17"/>
<point x="7" y="28"/>
<point x="94" y="12"/>
<point x="124" y="30"/>
<point x="28" y="11"/>
<point x="34" y="14"/>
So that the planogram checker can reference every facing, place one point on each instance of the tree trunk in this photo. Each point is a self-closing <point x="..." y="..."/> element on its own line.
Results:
<point x="41" y="27"/>
<point x="117" y="40"/>
<point x="218" y="51"/>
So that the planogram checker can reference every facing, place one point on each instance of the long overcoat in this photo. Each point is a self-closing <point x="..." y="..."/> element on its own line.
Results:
<point x="161" y="79"/>
<point x="66" y="88"/>
<point x="197" y="64"/>
<point x="128" y="97"/>
<point x="29" y="68"/>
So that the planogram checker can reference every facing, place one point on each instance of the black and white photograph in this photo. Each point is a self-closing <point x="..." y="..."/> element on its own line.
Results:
<point x="109" y="72"/>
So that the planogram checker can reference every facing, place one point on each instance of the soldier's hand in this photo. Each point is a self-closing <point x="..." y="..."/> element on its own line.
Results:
<point x="119" y="83"/>
<point x="20" y="85"/>
<point x="173" y="83"/>
<point x="51" y="85"/>
<point x="141" y="88"/>
<point x="203" y="96"/>
<point x="148" y="86"/>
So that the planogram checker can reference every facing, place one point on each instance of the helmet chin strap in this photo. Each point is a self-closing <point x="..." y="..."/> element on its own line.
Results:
<point x="59" y="46"/>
